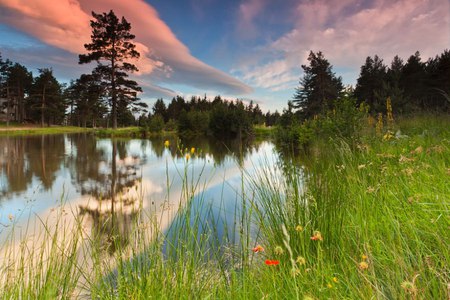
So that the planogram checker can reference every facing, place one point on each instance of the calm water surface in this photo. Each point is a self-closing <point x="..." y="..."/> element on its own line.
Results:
<point x="97" y="176"/>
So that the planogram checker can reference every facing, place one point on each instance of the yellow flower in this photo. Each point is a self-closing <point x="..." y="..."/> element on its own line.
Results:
<point x="192" y="150"/>
<point x="364" y="257"/>
<point x="295" y="272"/>
<point x="166" y="143"/>
<point x="363" y="265"/>
<point x="279" y="250"/>
<point x="329" y="285"/>
<point x="10" y="217"/>
<point x="299" y="228"/>
<point x="335" y="279"/>
<point x="300" y="260"/>
<point x="317" y="236"/>
<point x="188" y="156"/>
<point x="409" y="287"/>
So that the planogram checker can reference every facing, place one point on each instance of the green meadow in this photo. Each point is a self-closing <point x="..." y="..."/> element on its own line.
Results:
<point x="342" y="219"/>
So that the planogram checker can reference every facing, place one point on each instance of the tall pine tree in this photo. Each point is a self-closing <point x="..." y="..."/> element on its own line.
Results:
<point x="111" y="48"/>
<point x="319" y="86"/>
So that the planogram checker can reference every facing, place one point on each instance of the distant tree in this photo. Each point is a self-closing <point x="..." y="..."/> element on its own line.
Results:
<point x="86" y="98"/>
<point x="319" y="87"/>
<point x="413" y="81"/>
<point x="438" y="70"/>
<point x="371" y="79"/>
<point x="176" y="106"/>
<point x="159" y="108"/>
<point x="19" y="82"/>
<point x="46" y="100"/>
<point x="111" y="48"/>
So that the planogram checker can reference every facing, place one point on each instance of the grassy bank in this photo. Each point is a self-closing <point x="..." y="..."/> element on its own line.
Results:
<point x="358" y="220"/>
<point x="27" y="130"/>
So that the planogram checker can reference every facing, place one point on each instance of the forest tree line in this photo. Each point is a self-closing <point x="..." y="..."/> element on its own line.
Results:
<point x="412" y="86"/>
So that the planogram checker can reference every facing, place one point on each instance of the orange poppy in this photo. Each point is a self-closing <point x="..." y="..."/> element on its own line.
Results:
<point x="273" y="262"/>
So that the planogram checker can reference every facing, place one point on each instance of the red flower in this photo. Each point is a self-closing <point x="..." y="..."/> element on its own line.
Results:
<point x="273" y="262"/>
<point x="258" y="248"/>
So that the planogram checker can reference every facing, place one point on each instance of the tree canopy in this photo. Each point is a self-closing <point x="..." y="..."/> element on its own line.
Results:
<point x="319" y="86"/>
<point x="112" y="49"/>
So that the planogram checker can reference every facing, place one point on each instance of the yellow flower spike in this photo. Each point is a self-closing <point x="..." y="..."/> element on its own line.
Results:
<point x="192" y="150"/>
<point x="299" y="228"/>
<point x="317" y="236"/>
<point x="301" y="260"/>
<point x="166" y="143"/>
<point x="279" y="250"/>
<point x="295" y="272"/>
<point x="363" y="266"/>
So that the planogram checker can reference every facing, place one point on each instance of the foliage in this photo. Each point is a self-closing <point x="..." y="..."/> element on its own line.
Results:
<point x="112" y="49"/>
<point x="46" y="101"/>
<point x="319" y="87"/>
<point x="343" y="121"/>
<point x="347" y="223"/>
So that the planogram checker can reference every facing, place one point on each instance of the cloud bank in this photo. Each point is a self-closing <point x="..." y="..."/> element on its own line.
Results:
<point x="348" y="31"/>
<point x="65" y="24"/>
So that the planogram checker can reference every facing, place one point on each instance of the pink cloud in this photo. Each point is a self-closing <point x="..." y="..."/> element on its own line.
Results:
<point x="248" y="11"/>
<point x="65" y="24"/>
<point x="347" y="32"/>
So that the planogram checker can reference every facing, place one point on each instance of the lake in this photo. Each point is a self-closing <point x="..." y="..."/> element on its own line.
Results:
<point x="97" y="178"/>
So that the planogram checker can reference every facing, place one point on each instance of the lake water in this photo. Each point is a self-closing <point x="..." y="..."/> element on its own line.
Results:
<point x="96" y="176"/>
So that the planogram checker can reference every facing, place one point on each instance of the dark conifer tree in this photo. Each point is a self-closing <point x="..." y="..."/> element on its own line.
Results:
<point x="370" y="83"/>
<point x="318" y="88"/>
<point x="111" y="48"/>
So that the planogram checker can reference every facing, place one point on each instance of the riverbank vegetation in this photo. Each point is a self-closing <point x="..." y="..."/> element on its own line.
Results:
<point x="342" y="220"/>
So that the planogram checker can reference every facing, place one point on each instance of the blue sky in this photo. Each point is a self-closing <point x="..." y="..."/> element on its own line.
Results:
<point x="247" y="49"/>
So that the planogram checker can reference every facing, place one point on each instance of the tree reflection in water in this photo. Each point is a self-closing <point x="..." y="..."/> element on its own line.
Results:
<point x="110" y="176"/>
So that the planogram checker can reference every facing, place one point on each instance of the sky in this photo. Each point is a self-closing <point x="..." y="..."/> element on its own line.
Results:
<point x="246" y="49"/>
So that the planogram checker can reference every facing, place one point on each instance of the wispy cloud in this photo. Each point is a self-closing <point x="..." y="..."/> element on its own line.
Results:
<point x="65" y="24"/>
<point x="348" y="31"/>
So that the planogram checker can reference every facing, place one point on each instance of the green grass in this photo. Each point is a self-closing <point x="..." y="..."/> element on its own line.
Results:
<point x="21" y="131"/>
<point x="382" y="207"/>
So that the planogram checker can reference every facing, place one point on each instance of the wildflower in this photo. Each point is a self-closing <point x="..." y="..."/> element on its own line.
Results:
<point x="329" y="285"/>
<point x="258" y="248"/>
<point x="390" y="117"/>
<point x="389" y="135"/>
<point x="370" y="190"/>
<point x="364" y="257"/>
<point x="188" y="156"/>
<point x="300" y="260"/>
<point x="192" y="150"/>
<point x="335" y="279"/>
<point x="361" y="167"/>
<point x="166" y="143"/>
<point x="10" y="217"/>
<point x="272" y="262"/>
<point x="418" y="150"/>
<point x="299" y="228"/>
<point x="409" y="287"/>
<point x="317" y="236"/>
<point x="363" y="265"/>
<point x="379" y="125"/>
<point x="279" y="250"/>
<point x="404" y="159"/>
<point x="408" y="171"/>
<point x="295" y="271"/>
